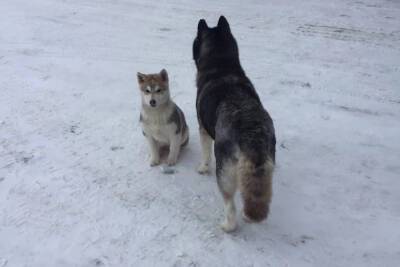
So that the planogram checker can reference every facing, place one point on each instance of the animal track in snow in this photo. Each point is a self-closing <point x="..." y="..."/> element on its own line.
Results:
<point x="348" y="34"/>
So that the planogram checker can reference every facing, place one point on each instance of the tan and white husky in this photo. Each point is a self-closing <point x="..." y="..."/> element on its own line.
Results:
<point x="163" y="122"/>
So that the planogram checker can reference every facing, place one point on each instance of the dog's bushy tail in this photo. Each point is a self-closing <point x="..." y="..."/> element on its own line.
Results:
<point x="256" y="187"/>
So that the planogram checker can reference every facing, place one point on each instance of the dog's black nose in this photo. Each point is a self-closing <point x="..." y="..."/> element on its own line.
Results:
<point x="152" y="103"/>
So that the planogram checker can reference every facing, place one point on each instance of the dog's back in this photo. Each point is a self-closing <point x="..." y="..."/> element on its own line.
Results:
<point x="231" y="112"/>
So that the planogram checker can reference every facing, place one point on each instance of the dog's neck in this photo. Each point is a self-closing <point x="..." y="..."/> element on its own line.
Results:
<point x="217" y="62"/>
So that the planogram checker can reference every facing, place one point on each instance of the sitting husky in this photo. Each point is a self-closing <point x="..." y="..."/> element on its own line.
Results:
<point x="230" y="112"/>
<point x="163" y="122"/>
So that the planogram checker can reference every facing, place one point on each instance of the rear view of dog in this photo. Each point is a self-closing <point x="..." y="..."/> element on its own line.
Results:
<point x="230" y="112"/>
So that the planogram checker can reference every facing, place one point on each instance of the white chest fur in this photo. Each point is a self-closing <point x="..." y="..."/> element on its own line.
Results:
<point x="156" y="125"/>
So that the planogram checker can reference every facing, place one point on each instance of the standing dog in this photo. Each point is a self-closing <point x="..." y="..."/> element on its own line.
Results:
<point x="163" y="122"/>
<point x="230" y="112"/>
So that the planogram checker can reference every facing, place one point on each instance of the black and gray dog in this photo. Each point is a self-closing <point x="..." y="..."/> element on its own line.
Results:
<point x="230" y="112"/>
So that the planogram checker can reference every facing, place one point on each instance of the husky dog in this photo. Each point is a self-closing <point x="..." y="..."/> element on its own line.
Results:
<point x="162" y="121"/>
<point x="230" y="112"/>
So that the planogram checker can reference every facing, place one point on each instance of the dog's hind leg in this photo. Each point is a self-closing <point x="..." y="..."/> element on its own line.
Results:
<point x="227" y="183"/>
<point x="206" y="147"/>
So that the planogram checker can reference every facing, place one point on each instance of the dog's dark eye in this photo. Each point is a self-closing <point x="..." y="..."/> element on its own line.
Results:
<point x="148" y="91"/>
<point x="158" y="91"/>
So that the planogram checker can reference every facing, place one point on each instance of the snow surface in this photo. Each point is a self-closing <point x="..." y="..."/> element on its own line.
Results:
<point x="76" y="188"/>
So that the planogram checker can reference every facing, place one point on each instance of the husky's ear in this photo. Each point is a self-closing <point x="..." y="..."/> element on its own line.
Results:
<point x="223" y="24"/>
<point x="196" y="49"/>
<point x="141" y="77"/>
<point x="164" y="75"/>
<point x="201" y="26"/>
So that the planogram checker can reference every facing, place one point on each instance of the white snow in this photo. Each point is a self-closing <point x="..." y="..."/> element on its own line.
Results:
<point x="76" y="188"/>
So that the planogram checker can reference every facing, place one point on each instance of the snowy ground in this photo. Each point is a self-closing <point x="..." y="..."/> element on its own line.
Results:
<point x="76" y="188"/>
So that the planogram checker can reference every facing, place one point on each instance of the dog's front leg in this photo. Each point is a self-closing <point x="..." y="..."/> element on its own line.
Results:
<point x="154" y="151"/>
<point x="206" y="146"/>
<point x="174" y="148"/>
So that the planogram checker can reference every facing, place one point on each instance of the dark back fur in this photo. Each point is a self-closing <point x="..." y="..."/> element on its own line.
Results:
<point x="228" y="106"/>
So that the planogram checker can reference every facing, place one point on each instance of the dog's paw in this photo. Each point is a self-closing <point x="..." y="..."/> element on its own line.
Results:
<point x="171" y="161"/>
<point x="154" y="162"/>
<point x="203" y="169"/>
<point x="228" y="226"/>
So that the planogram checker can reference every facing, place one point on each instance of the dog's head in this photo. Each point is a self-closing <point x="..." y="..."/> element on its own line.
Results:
<point x="154" y="88"/>
<point x="214" y="42"/>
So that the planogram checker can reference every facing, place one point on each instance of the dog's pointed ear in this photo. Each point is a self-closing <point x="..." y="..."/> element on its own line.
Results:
<point x="164" y="75"/>
<point x="201" y="26"/>
<point x="140" y="77"/>
<point x="223" y="24"/>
